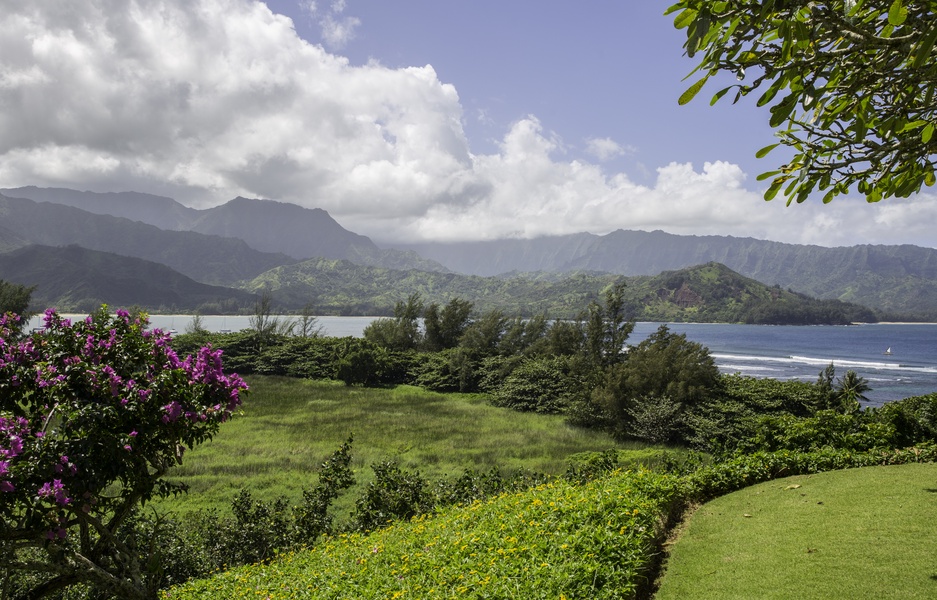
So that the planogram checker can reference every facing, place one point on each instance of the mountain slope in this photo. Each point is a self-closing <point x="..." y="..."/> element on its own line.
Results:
<point x="706" y="293"/>
<point x="898" y="279"/>
<point x="75" y="278"/>
<point x="265" y="225"/>
<point x="209" y="259"/>
<point x="158" y="211"/>
<point x="280" y="227"/>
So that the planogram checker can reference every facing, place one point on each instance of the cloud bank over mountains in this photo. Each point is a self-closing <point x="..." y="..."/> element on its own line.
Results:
<point x="205" y="100"/>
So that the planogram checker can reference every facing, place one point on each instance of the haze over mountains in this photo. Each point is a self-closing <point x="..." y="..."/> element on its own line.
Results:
<point x="235" y="243"/>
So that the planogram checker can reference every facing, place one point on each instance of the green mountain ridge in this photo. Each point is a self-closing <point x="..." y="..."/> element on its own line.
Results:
<point x="208" y="259"/>
<point x="268" y="226"/>
<point x="899" y="282"/>
<point x="705" y="293"/>
<point x="892" y="279"/>
<point x="73" y="278"/>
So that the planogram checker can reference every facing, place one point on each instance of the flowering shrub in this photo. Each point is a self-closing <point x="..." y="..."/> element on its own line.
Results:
<point x="92" y="415"/>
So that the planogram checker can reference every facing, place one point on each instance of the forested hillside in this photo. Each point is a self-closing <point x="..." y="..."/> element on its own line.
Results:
<point x="893" y="279"/>
<point x="707" y="293"/>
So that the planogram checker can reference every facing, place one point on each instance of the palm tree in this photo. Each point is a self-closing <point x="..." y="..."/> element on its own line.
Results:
<point x="850" y="390"/>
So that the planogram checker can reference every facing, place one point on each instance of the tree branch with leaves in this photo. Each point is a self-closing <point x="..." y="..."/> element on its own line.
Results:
<point x="850" y="85"/>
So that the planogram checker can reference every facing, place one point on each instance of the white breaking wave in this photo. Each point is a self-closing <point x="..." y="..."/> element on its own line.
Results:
<point x="809" y="360"/>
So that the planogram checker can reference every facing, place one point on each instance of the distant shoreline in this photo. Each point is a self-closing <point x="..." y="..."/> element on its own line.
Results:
<point x="899" y="323"/>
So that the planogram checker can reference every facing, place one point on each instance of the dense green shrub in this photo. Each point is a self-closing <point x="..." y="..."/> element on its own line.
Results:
<point x="914" y="419"/>
<point x="747" y="469"/>
<point x="451" y="370"/>
<point x="393" y="495"/>
<point x="472" y="486"/>
<point x="542" y="385"/>
<point x="655" y="419"/>
<point x="826" y="429"/>
<point x="766" y="396"/>
<point x="556" y="540"/>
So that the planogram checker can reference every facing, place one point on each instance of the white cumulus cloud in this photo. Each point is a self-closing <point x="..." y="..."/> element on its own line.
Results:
<point x="606" y="148"/>
<point x="204" y="100"/>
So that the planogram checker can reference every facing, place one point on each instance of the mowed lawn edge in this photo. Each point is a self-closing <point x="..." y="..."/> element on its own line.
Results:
<point x="850" y="534"/>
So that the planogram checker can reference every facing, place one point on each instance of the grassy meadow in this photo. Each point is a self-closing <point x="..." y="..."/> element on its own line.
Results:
<point x="288" y="426"/>
<point x="854" y="534"/>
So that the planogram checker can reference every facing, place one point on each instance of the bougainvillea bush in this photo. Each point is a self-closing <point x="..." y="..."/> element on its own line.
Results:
<point x="92" y="415"/>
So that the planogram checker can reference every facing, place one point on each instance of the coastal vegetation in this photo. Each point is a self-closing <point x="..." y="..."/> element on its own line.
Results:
<point x="447" y="435"/>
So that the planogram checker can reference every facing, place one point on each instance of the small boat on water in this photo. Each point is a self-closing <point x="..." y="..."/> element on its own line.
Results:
<point x="888" y="351"/>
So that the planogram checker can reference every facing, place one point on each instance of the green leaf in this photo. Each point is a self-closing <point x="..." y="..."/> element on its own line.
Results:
<point x="691" y="92"/>
<point x="764" y="176"/>
<point x="684" y="18"/>
<point x="923" y="50"/>
<point x="782" y="110"/>
<point x="897" y="13"/>
<point x="764" y="151"/>
<point x="912" y="125"/>
<point x="719" y="95"/>
<point x="927" y="133"/>
<point x="773" y="189"/>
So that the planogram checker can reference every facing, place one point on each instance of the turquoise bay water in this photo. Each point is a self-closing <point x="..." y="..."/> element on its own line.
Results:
<point x="780" y="352"/>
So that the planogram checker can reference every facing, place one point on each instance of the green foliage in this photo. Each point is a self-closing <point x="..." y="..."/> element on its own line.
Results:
<point x="403" y="331"/>
<point x="655" y="419"/>
<point x="394" y="494"/>
<point x="607" y="327"/>
<point x="826" y="429"/>
<point x="848" y="85"/>
<point x="663" y="366"/>
<point x="544" y="385"/>
<point x="451" y="370"/>
<point x="312" y="517"/>
<point x="482" y="337"/>
<point x="849" y="390"/>
<point x="14" y="298"/>
<point x="360" y="364"/>
<point x="93" y="414"/>
<point x="730" y="416"/>
<point x="558" y="539"/>
<point x="747" y="469"/>
<point x="913" y="420"/>
<point x="767" y="396"/>
<point x="444" y="328"/>
<point x="472" y="486"/>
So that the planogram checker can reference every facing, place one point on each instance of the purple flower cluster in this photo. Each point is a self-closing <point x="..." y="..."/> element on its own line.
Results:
<point x="69" y="395"/>
<point x="12" y="430"/>
<point x="55" y="490"/>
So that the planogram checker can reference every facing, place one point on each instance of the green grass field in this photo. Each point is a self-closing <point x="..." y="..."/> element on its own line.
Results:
<point x="855" y="534"/>
<point x="289" y="426"/>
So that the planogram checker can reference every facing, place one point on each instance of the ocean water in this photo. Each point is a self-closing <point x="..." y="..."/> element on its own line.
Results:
<point x="780" y="352"/>
<point x="794" y="352"/>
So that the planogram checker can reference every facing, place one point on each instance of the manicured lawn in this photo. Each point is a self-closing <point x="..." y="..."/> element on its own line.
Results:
<point x="851" y="535"/>
<point x="289" y="426"/>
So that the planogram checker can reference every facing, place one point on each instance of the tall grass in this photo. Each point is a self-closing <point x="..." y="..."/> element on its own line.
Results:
<point x="289" y="426"/>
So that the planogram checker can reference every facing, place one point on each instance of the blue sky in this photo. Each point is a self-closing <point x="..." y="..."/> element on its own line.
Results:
<point x="409" y="120"/>
<point x="587" y="70"/>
